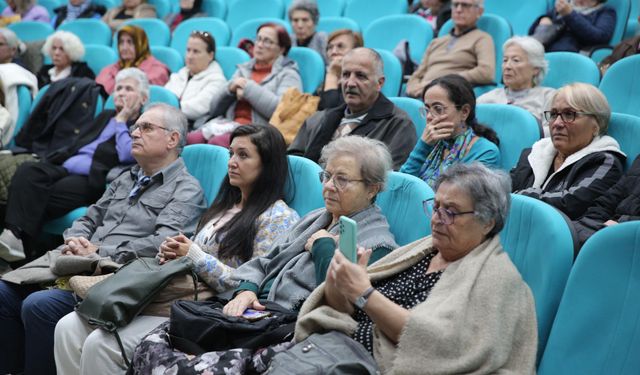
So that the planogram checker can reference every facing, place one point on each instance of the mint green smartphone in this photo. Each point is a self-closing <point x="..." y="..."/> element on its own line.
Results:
<point x="348" y="229"/>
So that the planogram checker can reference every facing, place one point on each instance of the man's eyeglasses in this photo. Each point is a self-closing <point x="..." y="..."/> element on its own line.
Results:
<point x="567" y="116"/>
<point x="146" y="127"/>
<point x="265" y="42"/>
<point x="339" y="181"/>
<point x="464" y="6"/>
<point x="446" y="216"/>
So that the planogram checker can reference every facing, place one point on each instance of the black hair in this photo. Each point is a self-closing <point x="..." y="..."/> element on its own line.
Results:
<point x="460" y="92"/>
<point x="236" y="237"/>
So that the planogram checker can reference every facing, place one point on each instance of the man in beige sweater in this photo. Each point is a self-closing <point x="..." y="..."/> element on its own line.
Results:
<point x="466" y="50"/>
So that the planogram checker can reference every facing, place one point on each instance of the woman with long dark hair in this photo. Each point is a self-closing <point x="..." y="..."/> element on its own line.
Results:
<point x="245" y="218"/>
<point x="452" y="134"/>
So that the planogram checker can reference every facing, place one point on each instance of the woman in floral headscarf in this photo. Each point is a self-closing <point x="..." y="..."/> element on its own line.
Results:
<point x="134" y="52"/>
<point x="452" y="134"/>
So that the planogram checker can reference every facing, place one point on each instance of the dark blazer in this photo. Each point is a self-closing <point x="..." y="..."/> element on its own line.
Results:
<point x="581" y="31"/>
<point x="620" y="203"/>
<point x="78" y="69"/>
<point x="90" y="12"/>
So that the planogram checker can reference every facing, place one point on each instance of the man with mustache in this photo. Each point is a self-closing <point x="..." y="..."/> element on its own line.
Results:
<point x="366" y="112"/>
<point x="156" y="199"/>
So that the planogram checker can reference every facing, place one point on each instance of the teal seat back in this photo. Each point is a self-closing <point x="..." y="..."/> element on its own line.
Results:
<point x="249" y="28"/>
<point x="569" y="67"/>
<point x="100" y="32"/>
<point x="214" y="8"/>
<point x="163" y="7"/>
<point x="622" y="8"/>
<point x="494" y="25"/>
<point x="626" y="130"/>
<point x="239" y="11"/>
<point x="597" y="327"/>
<point x="331" y="8"/>
<point x="108" y="3"/>
<point x="99" y="56"/>
<point x="412" y="107"/>
<point x="169" y="57"/>
<point x="401" y="203"/>
<point x="303" y="191"/>
<point x="214" y="26"/>
<point x="366" y="11"/>
<point x="539" y="242"/>
<point x="310" y="67"/>
<point x="392" y="73"/>
<point x="50" y="5"/>
<point x="331" y="24"/>
<point x="156" y="94"/>
<point x="229" y="58"/>
<point x="157" y="31"/>
<point x="386" y="32"/>
<point x="520" y="14"/>
<point x="31" y="31"/>
<point x="621" y="85"/>
<point x="517" y="129"/>
<point x="208" y="164"/>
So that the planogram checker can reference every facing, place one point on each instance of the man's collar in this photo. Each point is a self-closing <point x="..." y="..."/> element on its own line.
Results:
<point x="463" y="31"/>
<point x="161" y="175"/>
<point x="381" y="108"/>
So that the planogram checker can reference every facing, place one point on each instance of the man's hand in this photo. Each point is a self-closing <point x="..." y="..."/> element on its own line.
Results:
<point x="78" y="246"/>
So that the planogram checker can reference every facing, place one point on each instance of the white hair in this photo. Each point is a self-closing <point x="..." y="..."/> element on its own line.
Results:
<point x="535" y="54"/>
<point x="71" y="44"/>
<point x="138" y="75"/>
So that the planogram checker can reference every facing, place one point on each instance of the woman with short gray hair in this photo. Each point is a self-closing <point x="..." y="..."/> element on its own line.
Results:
<point x="455" y="286"/>
<point x="66" y="52"/>
<point x="304" y="16"/>
<point x="523" y="70"/>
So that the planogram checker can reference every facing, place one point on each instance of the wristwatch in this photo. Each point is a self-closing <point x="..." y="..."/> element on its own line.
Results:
<point x="361" y="301"/>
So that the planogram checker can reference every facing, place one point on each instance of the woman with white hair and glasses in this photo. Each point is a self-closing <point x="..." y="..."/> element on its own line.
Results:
<point x="450" y="303"/>
<point x="65" y="50"/>
<point x="523" y="69"/>
<point x="579" y="162"/>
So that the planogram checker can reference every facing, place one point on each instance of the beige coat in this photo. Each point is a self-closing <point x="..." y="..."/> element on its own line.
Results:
<point x="471" y="55"/>
<point x="478" y="319"/>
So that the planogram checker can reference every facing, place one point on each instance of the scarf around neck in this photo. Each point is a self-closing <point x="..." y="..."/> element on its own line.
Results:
<point x="74" y="12"/>
<point x="444" y="154"/>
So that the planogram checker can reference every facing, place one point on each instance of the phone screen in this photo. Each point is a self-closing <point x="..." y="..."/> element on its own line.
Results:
<point x="251" y="314"/>
<point x="348" y="228"/>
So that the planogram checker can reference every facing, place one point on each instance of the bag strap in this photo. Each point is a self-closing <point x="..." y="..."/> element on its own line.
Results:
<point x="124" y="355"/>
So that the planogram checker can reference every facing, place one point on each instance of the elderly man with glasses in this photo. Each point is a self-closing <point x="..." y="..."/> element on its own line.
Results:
<point x="155" y="199"/>
<point x="465" y="50"/>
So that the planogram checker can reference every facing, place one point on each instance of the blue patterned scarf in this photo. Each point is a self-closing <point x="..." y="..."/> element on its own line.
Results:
<point x="444" y="154"/>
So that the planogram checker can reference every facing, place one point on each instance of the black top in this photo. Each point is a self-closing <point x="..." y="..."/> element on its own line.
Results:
<point x="407" y="289"/>
<point x="78" y="69"/>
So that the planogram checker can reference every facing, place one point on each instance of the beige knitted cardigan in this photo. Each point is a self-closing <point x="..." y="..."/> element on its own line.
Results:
<point x="478" y="319"/>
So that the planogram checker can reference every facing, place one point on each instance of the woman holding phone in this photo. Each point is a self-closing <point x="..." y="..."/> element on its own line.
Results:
<point x="452" y="134"/>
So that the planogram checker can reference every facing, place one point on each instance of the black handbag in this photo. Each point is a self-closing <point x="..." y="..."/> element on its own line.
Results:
<point x="115" y="301"/>
<point x="200" y="327"/>
<point x="327" y="353"/>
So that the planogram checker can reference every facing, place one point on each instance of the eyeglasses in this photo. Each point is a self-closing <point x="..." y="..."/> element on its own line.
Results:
<point x="436" y="109"/>
<point x="339" y="181"/>
<point x="464" y="6"/>
<point x="446" y="216"/>
<point x="265" y="41"/>
<point x="146" y="128"/>
<point x="567" y="116"/>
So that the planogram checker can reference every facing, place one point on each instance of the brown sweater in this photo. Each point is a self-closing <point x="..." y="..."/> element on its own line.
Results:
<point x="472" y="56"/>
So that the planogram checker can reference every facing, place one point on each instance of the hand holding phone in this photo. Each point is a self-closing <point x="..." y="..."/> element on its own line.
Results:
<point x="254" y="315"/>
<point x="348" y="230"/>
